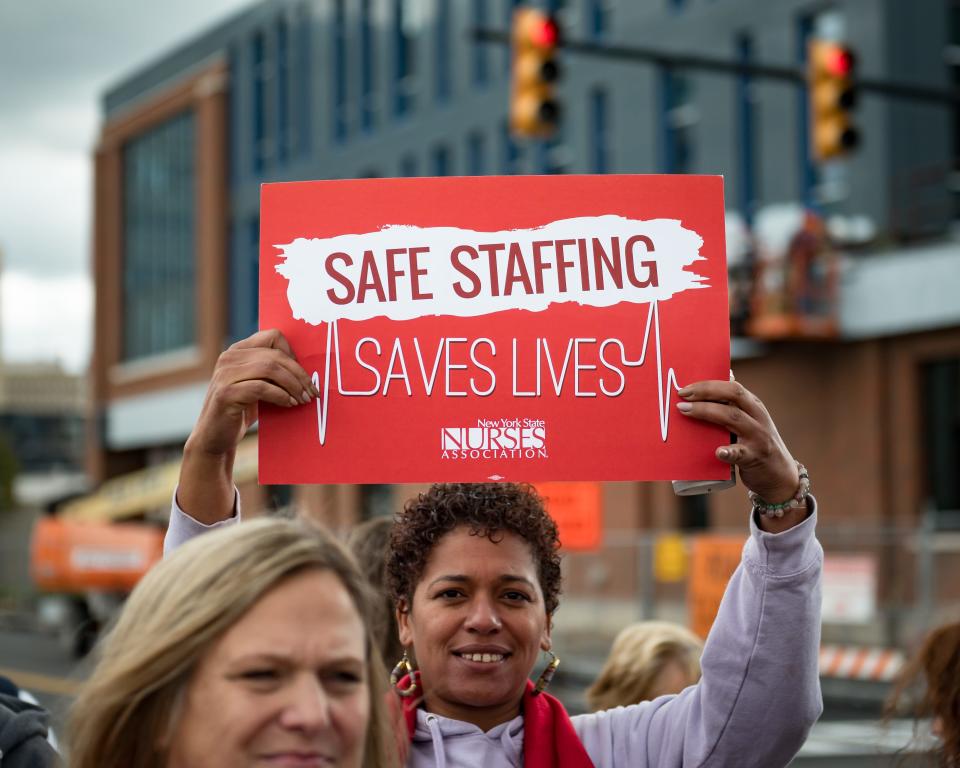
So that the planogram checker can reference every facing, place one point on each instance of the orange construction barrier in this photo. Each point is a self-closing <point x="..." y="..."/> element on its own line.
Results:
<point x="69" y="556"/>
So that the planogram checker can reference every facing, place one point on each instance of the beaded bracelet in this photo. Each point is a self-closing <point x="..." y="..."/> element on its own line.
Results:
<point x="777" y="510"/>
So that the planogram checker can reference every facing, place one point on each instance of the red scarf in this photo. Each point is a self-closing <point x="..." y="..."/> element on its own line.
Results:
<point x="549" y="740"/>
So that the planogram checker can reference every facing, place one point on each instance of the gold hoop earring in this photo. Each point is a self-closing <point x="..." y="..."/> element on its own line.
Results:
<point x="547" y="675"/>
<point x="404" y="669"/>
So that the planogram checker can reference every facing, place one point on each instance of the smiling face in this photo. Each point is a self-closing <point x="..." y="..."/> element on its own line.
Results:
<point x="284" y="686"/>
<point x="477" y="625"/>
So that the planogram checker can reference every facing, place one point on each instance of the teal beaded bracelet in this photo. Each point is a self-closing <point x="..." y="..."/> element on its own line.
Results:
<point x="777" y="510"/>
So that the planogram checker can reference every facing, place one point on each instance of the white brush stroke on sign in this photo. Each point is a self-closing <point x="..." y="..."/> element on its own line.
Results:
<point x="303" y="263"/>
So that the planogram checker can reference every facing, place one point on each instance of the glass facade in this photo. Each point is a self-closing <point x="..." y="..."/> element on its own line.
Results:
<point x="159" y="293"/>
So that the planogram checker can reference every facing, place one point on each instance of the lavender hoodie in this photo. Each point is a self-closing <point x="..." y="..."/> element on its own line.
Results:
<point x="757" y="700"/>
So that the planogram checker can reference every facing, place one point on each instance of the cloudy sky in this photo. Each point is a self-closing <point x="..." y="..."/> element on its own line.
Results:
<point x="56" y="58"/>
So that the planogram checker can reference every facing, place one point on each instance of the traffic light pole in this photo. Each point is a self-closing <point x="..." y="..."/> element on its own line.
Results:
<point x="715" y="64"/>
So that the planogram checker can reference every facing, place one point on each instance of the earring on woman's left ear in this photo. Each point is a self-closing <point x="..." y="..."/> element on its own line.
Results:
<point x="547" y="675"/>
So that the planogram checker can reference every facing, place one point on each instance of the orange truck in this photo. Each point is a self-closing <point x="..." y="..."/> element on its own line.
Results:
<point x="85" y="570"/>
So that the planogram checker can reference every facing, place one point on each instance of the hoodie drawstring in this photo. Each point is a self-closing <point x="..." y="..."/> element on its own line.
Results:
<point x="434" y="725"/>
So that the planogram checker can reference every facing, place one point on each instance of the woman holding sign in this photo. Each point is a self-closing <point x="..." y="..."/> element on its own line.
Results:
<point x="475" y="573"/>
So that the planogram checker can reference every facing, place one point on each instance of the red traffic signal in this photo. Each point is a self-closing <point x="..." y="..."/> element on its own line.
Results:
<point x="544" y="32"/>
<point x="831" y="95"/>
<point x="534" y="111"/>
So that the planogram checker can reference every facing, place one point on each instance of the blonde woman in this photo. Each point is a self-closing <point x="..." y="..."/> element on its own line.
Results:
<point x="248" y="646"/>
<point x="648" y="659"/>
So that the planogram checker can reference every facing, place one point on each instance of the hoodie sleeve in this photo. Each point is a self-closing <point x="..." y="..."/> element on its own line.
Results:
<point x="759" y="694"/>
<point x="182" y="527"/>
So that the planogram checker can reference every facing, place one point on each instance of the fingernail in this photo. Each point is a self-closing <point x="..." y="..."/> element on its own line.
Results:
<point x="685" y="407"/>
<point x="685" y="392"/>
<point x="724" y="453"/>
<point x="294" y="401"/>
<point x="305" y="396"/>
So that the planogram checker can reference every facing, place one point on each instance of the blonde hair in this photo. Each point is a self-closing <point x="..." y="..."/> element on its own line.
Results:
<point x="127" y="710"/>
<point x="639" y="654"/>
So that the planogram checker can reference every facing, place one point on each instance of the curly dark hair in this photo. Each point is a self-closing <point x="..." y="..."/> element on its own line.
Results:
<point x="488" y="510"/>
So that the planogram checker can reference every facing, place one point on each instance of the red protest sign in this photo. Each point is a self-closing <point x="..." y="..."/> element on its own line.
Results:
<point x="517" y="328"/>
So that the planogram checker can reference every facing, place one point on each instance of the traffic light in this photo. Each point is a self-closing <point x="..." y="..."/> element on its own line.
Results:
<point x="832" y="95"/>
<point x="534" y="110"/>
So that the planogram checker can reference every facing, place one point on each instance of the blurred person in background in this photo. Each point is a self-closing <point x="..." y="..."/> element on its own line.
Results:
<point x="931" y="682"/>
<point x="23" y="732"/>
<point x="10" y="688"/>
<point x="648" y="659"/>
<point x="370" y="544"/>
<point x="250" y="646"/>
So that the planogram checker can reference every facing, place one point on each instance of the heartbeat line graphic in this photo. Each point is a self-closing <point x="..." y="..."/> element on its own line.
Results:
<point x="666" y="382"/>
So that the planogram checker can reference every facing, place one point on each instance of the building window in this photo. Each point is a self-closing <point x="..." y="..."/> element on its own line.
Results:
<point x="678" y="119"/>
<point x="599" y="131"/>
<point x="244" y="277"/>
<point x="405" y="23"/>
<point x="367" y="67"/>
<point x="441" y="160"/>
<point x="545" y="157"/>
<point x="509" y="6"/>
<point x="261" y="147"/>
<point x="159" y="286"/>
<point x="253" y="274"/>
<point x="304" y="90"/>
<point x="441" y="43"/>
<point x="476" y="154"/>
<point x="694" y="513"/>
<point x="510" y="152"/>
<point x="808" y="169"/>
<point x="599" y="15"/>
<point x="375" y="501"/>
<point x="941" y="421"/>
<point x="953" y="59"/>
<point x="282" y="62"/>
<point x="677" y="5"/>
<point x="481" y="50"/>
<point x="339" y="29"/>
<point x="747" y="140"/>
<point x="408" y="166"/>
